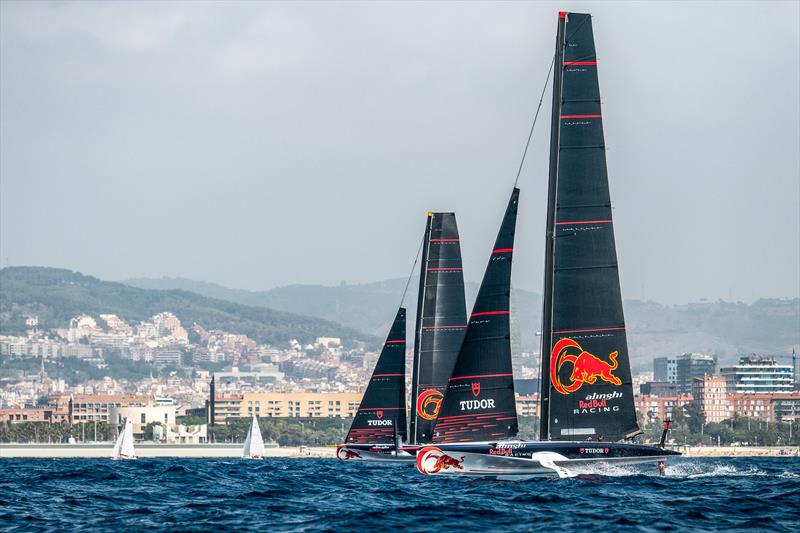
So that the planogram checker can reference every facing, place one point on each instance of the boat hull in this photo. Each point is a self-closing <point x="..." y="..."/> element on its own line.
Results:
<point x="531" y="458"/>
<point x="376" y="453"/>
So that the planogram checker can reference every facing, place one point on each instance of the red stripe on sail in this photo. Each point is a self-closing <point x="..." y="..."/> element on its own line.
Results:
<point x="480" y="376"/>
<point x="587" y="330"/>
<point x="502" y="250"/>
<point x="609" y="221"/>
<point x="482" y="313"/>
<point x="395" y="342"/>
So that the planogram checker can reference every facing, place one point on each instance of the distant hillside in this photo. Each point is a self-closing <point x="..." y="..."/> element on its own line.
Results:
<point x="769" y="326"/>
<point x="56" y="295"/>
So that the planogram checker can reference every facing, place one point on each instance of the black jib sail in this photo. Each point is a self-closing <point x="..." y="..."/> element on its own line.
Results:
<point x="381" y="417"/>
<point x="479" y="402"/>
<point x="586" y="377"/>
<point x="441" y="321"/>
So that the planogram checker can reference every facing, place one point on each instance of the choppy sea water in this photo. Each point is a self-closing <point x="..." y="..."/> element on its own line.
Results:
<point x="330" y="495"/>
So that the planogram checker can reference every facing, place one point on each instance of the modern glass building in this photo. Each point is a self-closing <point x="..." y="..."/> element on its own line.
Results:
<point x="756" y="373"/>
<point x="693" y="365"/>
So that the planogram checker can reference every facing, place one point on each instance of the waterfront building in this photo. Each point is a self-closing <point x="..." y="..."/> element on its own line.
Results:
<point x="286" y="405"/>
<point x="665" y="369"/>
<point x="710" y="396"/>
<point x="757" y="374"/>
<point x="693" y="365"/>
<point x="775" y="407"/>
<point x="97" y="407"/>
<point x="528" y="405"/>
<point x="660" y="407"/>
<point x="659" y="388"/>
<point x="142" y="415"/>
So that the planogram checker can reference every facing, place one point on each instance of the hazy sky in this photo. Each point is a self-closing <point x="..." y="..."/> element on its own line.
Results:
<point x="261" y="144"/>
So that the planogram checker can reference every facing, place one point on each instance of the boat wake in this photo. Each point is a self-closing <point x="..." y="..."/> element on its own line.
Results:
<point x="683" y="469"/>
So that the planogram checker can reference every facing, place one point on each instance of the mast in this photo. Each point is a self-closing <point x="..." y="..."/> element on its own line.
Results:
<point x="441" y="321"/>
<point x="547" y="299"/>
<point x="381" y="416"/>
<point x="479" y="402"/>
<point x="412" y="432"/>
<point x="585" y="362"/>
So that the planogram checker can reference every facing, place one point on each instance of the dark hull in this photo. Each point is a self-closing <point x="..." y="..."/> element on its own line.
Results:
<point x="531" y="457"/>
<point x="382" y="453"/>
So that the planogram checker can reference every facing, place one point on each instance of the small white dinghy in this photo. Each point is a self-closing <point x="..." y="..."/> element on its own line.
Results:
<point x="254" y="444"/>
<point x="123" y="448"/>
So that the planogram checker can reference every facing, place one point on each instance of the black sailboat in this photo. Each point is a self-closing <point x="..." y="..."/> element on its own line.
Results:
<point x="587" y="396"/>
<point x="380" y="423"/>
<point x="378" y="432"/>
<point x="441" y="321"/>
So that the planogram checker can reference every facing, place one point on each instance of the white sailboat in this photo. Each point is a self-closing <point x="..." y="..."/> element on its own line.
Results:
<point x="254" y="443"/>
<point x="123" y="448"/>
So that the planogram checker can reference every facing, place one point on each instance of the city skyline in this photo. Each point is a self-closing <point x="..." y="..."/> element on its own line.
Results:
<point x="141" y="138"/>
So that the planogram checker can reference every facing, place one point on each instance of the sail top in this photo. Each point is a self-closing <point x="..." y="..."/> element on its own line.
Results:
<point x="586" y="379"/>
<point x="381" y="417"/>
<point x="479" y="403"/>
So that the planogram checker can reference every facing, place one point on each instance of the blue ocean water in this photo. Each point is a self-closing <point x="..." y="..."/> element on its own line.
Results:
<point x="330" y="495"/>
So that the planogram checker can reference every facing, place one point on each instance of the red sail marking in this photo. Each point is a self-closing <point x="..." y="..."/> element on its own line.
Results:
<point x="562" y="14"/>
<point x="480" y="376"/>
<point x="587" y="330"/>
<point x="395" y="342"/>
<point x="482" y="313"/>
<point x="573" y="222"/>
<point x="502" y="250"/>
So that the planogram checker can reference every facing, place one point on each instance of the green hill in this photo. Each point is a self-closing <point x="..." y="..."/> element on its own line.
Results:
<point x="56" y="295"/>
<point x="728" y="329"/>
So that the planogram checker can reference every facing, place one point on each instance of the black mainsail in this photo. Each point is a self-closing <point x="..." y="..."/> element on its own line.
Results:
<point x="479" y="402"/>
<point x="381" y="417"/>
<point x="585" y="371"/>
<point x="441" y="321"/>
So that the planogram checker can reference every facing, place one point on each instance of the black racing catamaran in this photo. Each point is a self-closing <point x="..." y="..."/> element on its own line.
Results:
<point x="440" y="324"/>
<point x="586" y="391"/>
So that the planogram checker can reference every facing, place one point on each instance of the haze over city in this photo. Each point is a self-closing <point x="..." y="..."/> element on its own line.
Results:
<point x="264" y="144"/>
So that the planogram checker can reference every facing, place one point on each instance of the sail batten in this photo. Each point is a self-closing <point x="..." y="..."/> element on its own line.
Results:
<point x="381" y="416"/>
<point x="479" y="402"/>
<point x="586" y="378"/>
<point x="440" y="323"/>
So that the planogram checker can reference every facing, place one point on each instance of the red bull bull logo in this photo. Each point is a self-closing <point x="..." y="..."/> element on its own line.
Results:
<point x="433" y="460"/>
<point x="344" y="454"/>
<point x="428" y="404"/>
<point x="586" y="368"/>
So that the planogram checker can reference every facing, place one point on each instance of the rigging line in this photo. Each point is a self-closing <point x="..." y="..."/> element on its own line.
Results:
<point x="535" y="118"/>
<point x="411" y="275"/>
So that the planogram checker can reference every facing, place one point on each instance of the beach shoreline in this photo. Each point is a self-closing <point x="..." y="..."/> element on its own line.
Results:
<point x="199" y="451"/>
<point x="152" y="450"/>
